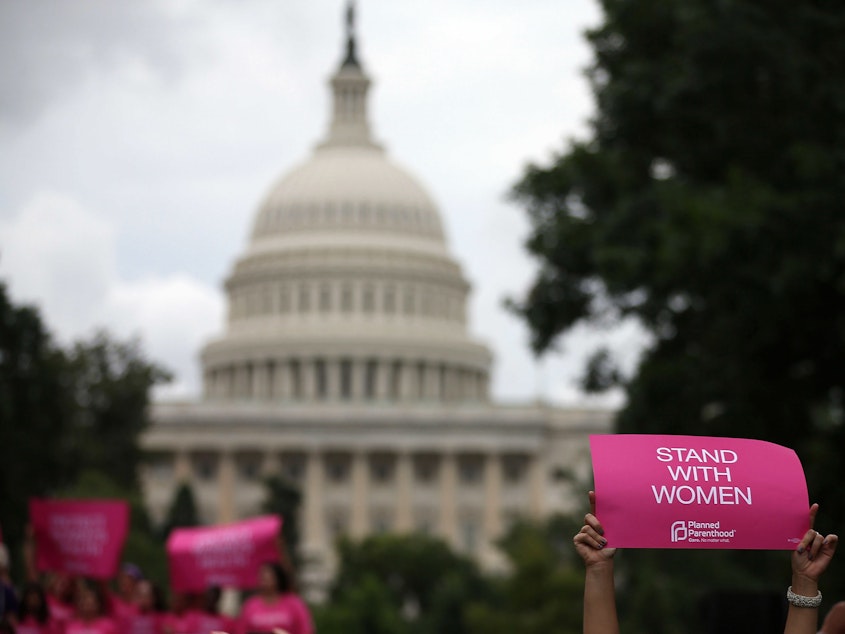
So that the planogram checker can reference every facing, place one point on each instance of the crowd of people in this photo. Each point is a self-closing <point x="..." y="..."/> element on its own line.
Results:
<point x="58" y="603"/>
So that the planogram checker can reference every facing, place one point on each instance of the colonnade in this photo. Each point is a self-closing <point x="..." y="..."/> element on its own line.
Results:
<point x="452" y="499"/>
<point x="335" y="379"/>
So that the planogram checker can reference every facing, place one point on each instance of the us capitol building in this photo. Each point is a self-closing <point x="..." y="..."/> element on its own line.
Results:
<point x="347" y="367"/>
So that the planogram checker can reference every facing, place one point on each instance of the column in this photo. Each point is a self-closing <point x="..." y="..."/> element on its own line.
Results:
<point x="448" y="496"/>
<point x="406" y="381"/>
<point x="404" y="493"/>
<point x="226" y="488"/>
<point x="492" y="498"/>
<point x="309" y="379"/>
<point x="360" y="524"/>
<point x="284" y="380"/>
<point x="536" y="487"/>
<point x="313" y="503"/>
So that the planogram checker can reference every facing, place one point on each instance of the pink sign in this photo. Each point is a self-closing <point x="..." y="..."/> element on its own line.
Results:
<point x="81" y="537"/>
<point x="698" y="492"/>
<point x="228" y="555"/>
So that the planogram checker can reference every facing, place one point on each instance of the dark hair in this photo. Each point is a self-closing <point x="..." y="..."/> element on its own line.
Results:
<point x="284" y="583"/>
<point x="42" y="612"/>
<point x="6" y="627"/>
<point x="89" y="585"/>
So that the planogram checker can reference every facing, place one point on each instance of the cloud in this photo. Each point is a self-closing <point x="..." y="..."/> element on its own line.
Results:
<point x="60" y="256"/>
<point x="49" y="48"/>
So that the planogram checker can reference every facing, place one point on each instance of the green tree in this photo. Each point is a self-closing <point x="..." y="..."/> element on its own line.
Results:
<point x="540" y="593"/>
<point x="416" y="577"/>
<point x="33" y="415"/>
<point x="65" y="412"/>
<point x="110" y="383"/>
<point x="284" y="499"/>
<point x="708" y="205"/>
<point x="182" y="510"/>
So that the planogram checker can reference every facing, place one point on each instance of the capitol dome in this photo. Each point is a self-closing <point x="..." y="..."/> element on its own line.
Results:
<point x="347" y="289"/>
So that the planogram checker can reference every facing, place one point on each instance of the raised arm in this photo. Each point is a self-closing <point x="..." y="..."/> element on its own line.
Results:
<point x="599" y="593"/>
<point x="809" y="561"/>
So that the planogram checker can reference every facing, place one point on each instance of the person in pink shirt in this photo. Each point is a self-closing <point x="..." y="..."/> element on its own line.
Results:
<point x="210" y="619"/>
<point x="33" y="613"/>
<point x="148" y="614"/>
<point x="123" y="601"/>
<point x="276" y="606"/>
<point x="91" y="617"/>
<point x="183" y="616"/>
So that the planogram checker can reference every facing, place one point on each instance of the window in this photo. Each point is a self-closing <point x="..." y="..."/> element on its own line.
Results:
<point x="337" y="469"/>
<point x="382" y="470"/>
<point x="205" y="467"/>
<point x="347" y="298"/>
<point x="346" y="378"/>
<point x="325" y="298"/>
<point x="296" y="378"/>
<point x="409" y="301"/>
<point x="370" y="379"/>
<point x="389" y="300"/>
<point x="293" y="467"/>
<point x="395" y="379"/>
<point x="514" y="469"/>
<point x="425" y="469"/>
<point x="304" y="298"/>
<point x="284" y="300"/>
<point x="470" y="470"/>
<point x="321" y="378"/>
<point x="249" y="468"/>
<point x="160" y="467"/>
<point x="368" y="300"/>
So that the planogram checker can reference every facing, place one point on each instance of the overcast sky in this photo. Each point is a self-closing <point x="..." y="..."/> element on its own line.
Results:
<point x="137" y="138"/>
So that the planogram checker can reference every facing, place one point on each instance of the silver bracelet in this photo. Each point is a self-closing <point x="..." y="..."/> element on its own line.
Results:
<point x="800" y="601"/>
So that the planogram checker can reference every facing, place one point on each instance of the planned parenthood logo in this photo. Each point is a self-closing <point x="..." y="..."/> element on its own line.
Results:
<point x="700" y="532"/>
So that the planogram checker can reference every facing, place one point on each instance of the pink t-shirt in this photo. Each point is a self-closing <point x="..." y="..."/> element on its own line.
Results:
<point x="139" y="623"/>
<point x="288" y="612"/>
<point x="101" y="625"/>
<point x="207" y="623"/>
<point x="60" y="612"/>
<point x="120" y="608"/>
<point x="30" y="626"/>
<point x="185" y="623"/>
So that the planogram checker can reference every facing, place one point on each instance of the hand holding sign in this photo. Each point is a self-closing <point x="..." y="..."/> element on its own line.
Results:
<point x="589" y="541"/>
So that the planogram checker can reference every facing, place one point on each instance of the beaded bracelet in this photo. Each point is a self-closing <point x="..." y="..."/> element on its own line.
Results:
<point x="800" y="601"/>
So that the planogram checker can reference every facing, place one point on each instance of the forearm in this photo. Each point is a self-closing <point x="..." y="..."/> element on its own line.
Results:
<point x="600" y="601"/>
<point x="802" y="620"/>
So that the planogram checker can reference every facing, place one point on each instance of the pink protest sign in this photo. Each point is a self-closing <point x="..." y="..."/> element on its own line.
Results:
<point x="228" y="555"/>
<point x="656" y="491"/>
<point x="82" y="537"/>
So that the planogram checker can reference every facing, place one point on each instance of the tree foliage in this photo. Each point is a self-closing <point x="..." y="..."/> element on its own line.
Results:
<point x="401" y="584"/>
<point x="284" y="498"/>
<point x="708" y="204"/>
<point x="65" y="412"/>
<point x="182" y="511"/>
<point x="541" y="594"/>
